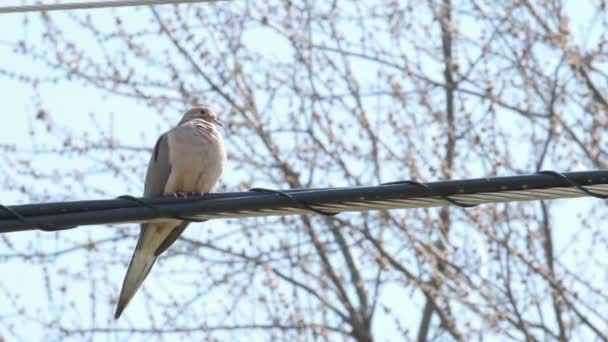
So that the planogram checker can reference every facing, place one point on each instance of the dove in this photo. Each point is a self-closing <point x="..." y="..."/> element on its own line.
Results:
<point x="189" y="158"/>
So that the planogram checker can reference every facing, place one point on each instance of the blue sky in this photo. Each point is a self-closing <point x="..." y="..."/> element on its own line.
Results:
<point x="69" y="104"/>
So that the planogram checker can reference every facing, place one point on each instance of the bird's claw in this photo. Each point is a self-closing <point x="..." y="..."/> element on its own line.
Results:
<point x="180" y="194"/>
<point x="186" y="194"/>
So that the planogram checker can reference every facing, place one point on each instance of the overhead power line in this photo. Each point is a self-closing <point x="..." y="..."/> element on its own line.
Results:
<point x="92" y="4"/>
<point x="262" y="202"/>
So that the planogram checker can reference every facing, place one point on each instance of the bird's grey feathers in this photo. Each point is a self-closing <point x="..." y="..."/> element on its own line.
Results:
<point x="158" y="168"/>
<point x="188" y="158"/>
<point x="171" y="238"/>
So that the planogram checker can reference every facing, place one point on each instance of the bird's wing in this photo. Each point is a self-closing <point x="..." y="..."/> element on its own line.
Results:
<point x="171" y="238"/>
<point x="159" y="168"/>
<point x="158" y="173"/>
<point x="154" y="238"/>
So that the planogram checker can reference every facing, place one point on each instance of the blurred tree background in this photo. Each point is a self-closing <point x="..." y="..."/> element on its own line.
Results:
<point x="315" y="94"/>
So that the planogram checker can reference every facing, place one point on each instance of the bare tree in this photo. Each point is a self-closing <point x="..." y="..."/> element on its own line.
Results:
<point x="335" y="93"/>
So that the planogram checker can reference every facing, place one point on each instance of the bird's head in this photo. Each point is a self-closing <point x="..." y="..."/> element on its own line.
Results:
<point x="203" y="112"/>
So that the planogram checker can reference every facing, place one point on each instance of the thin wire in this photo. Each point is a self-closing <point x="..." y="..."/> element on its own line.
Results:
<point x="464" y="193"/>
<point x="293" y="200"/>
<point x="92" y="4"/>
<point x="571" y="182"/>
<point x="432" y="192"/>
<point x="42" y="226"/>
<point x="157" y="209"/>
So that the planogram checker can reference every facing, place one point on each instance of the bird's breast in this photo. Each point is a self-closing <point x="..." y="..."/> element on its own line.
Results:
<point x="197" y="157"/>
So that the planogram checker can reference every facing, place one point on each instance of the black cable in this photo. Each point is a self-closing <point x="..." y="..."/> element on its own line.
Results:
<point x="432" y="192"/>
<point x="573" y="183"/>
<point x="41" y="226"/>
<point x="64" y="215"/>
<point x="158" y="210"/>
<point x="294" y="200"/>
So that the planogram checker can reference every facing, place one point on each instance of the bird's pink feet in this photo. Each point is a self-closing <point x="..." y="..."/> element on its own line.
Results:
<point x="186" y="194"/>
<point x="180" y="194"/>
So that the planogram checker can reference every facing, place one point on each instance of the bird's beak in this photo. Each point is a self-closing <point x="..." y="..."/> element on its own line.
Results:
<point x="219" y="123"/>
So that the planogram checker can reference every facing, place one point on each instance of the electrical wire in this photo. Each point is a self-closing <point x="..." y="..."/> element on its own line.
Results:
<point x="92" y="4"/>
<point x="465" y="193"/>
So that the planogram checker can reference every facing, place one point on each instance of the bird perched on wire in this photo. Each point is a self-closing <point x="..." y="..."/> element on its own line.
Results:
<point x="189" y="158"/>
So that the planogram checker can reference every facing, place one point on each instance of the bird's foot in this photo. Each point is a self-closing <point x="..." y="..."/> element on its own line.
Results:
<point x="180" y="194"/>
<point x="186" y="194"/>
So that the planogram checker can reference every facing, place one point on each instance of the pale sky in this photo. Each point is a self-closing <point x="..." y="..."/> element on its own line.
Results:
<point x="69" y="103"/>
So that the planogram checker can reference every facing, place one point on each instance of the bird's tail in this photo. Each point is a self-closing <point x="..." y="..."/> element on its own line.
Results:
<point x="141" y="263"/>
